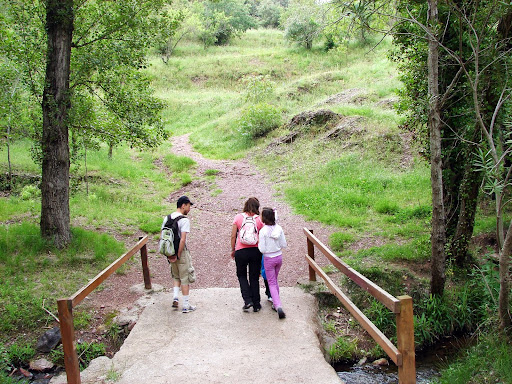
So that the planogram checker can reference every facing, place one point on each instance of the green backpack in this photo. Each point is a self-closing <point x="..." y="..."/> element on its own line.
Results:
<point x="170" y="239"/>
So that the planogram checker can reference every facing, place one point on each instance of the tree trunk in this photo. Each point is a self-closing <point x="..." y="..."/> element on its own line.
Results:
<point x="468" y="203"/>
<point x="110" y="150"/>
<point x="55" y="221"/>
<point x="438" y="235"/>
<point x="9" y="152"/>
<point x="505" y="31"/>
<point x="505" y="254"/>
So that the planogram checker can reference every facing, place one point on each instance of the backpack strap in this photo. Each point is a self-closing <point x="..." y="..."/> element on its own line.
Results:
<point x="173" y="221"/>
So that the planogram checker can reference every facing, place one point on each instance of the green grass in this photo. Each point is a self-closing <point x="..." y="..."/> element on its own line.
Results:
<point x="352" y="192"/>
<point x="489" y="361"/>
<point x="33" y="273"/>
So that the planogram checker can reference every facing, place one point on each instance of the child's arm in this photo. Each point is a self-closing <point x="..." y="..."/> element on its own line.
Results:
<point x="261" y="241"/>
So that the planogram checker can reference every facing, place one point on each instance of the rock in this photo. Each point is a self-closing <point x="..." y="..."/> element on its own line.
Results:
<point x="141" y="289"/>
<point x="41" y="365"/>
<point x="319" y="117"/>
<point x="381" y="362"/>
<point x="49" y="340"/>
<point x="25" y="373"/>
<point x="362" y="361"/>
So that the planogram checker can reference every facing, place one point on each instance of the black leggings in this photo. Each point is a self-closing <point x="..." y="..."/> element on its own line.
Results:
<point x="250" y="288"/>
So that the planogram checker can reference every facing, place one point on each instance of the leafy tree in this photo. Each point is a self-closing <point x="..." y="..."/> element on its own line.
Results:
<point x="223" y="20"/>
<point x="269" y="13"/>
<point x="175" y="24"/>
<point x="303" y="23"/>
<point x="356" y="19"/>
<point x="101" y="94"/>
<point x="15" y="121"/>
<point x="474" y="46"/>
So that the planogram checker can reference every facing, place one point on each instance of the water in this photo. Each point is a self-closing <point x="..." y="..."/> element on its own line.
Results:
<point x="428" y="365"/>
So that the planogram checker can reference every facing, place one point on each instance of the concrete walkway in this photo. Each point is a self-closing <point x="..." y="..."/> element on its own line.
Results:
<point x="218" y="343"/>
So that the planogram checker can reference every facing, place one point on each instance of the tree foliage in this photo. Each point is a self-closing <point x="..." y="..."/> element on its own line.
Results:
<point x="475" y="104"/>
<point x="303" y="23"/>
<point x="111" y="98"/>
<point x="223" y="20"/>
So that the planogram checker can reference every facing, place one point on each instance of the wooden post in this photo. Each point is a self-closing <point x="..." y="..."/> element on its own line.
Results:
<point x="67" y="332"/>
<point x="145" y="268"/>
<point x="311" y="253"/>
<point x="405" y="341"/>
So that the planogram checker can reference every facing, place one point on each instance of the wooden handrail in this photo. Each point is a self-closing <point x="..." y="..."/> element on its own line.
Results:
<point x="403" y="355"/>
<point x="392" y="303"/>
<point x="102" y="276"/>
<point x="66" y="306"/>
<point x="375" y="332"/>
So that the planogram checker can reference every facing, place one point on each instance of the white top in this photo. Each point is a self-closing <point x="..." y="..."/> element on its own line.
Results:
<point x="183" y="224"/>
<point x="271" y="240"/>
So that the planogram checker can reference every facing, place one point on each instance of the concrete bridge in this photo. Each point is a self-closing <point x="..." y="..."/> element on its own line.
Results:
<point x="218" y="343"/>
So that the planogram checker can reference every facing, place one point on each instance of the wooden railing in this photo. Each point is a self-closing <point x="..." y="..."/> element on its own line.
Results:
<point x="66" y="307"/>
<point x="403" y="354"/>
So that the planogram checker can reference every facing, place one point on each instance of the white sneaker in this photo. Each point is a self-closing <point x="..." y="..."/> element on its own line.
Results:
<point x="188" y="309"/>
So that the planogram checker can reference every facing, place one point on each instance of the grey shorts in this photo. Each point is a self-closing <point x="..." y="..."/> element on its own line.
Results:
<point x="180" y="270"/>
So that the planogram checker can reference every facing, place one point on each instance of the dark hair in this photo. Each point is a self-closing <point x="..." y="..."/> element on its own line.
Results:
<point x="268" y="216"/>
<point x="252" y="205"/>
<point x="183" y="200"/>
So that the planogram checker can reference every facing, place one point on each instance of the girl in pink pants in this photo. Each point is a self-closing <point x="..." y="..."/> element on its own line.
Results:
<point x="271" y="242"/>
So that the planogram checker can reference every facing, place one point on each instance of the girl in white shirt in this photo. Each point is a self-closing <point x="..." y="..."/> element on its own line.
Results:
<point x="271" y="242"/>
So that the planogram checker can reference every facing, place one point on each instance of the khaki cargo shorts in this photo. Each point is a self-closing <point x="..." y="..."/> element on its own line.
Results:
<point x="181" y="269"/>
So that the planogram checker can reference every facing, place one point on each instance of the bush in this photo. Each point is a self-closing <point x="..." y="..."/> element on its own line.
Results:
<point x="30" y="192"/>
<point x="258" y="89"/>
<point x="258" y="120"/>
<point x="20" y="354"/>
<point x="269" y="13"/>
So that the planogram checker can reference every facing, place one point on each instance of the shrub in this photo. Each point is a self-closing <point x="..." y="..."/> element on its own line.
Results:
<point x="258" y="120"/>
<point x="269" y="12"/>
<point x="30" y="192"/>
<point x="19" y="354"/>
<point x="258" y="89"/>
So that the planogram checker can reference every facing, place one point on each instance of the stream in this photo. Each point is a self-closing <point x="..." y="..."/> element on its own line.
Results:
<point x="428" y="365"/>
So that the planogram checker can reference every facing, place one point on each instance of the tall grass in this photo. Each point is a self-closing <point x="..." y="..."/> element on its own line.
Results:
<point x="352" y="192"/>
<point x="33" y="272"/>
<point x="486" y="362"/>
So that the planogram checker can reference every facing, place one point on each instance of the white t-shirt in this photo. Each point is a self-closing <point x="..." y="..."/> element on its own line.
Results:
<point x="183" y="224"/>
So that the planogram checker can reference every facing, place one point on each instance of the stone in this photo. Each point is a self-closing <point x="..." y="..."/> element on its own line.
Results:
<point x="49" y="340"/>
<point x="41" y="365"/>
<point x="382" y="361"/>
<point x="25" y="373"/>
<point x="362" y="361"/>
